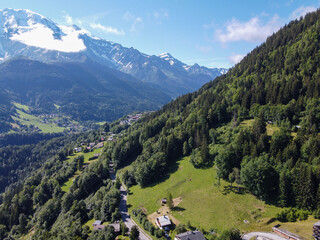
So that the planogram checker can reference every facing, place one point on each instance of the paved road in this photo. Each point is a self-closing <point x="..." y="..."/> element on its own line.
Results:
<point x="262" y="235"/>
<point x="128" y="221"/>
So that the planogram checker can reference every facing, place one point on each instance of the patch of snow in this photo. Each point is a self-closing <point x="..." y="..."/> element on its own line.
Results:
<point x="41" y="36"/>
<point x="186" y="67"/>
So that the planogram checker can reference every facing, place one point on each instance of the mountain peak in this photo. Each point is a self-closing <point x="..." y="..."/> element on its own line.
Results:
<point x="165" y="55"/>
<point x="25" y="26"/>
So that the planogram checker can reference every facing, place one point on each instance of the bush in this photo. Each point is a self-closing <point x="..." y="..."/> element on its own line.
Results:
<point x="180" y="228"/>
<point x="292" y="214"/>
<point x="316" y="213"/>
<point x="231" y="234"/>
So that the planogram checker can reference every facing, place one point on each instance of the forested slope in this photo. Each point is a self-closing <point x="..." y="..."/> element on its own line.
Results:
<point x="279" y="82"/>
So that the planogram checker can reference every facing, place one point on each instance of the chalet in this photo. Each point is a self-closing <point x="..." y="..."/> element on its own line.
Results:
<point x="99" y="227"/>
<point x="97" y="223"/>
<point x="78" y="149"/>
<point x="163" y="201"/>
<point x="99" y="145"/>
<point x="110" y="138"/>
<point x="191" y="235"/>
<point x="316" y="231"/>
<point x="285" y="233"/>
<point x="163" y="222"/>
<point x="92" y="144"/>
<point x="116" y="227"/>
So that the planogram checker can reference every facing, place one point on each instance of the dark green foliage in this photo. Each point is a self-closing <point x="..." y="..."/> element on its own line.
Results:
<point x="142" y="218"/>
<point x="231" y="234"/>
<point x="169" y="201"/>
<point x="292" y="215"/>
<point x="180" y="228"/>
<point x="105" y="234"/>
<point x="134" y="233"/>
<point x="259" y="176"/>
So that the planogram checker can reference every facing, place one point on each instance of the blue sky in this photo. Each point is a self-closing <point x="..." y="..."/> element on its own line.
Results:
<point x="208" y="32"/>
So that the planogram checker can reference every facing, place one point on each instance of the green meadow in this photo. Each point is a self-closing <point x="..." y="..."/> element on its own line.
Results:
<point x="210" y="206"/>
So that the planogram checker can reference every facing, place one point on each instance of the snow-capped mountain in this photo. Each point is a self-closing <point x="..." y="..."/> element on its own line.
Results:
<point x="26" y="33"/>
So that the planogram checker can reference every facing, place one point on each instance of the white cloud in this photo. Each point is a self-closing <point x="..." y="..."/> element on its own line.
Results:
<point x="302" y="11"/>
<point x="160" y="15"/>
<point x="135" y="21"/>
<point x="107" y="29"/>
<point x="68" y="19"/>
<point x="234" y="59"/>
<point x="251" y="31"/>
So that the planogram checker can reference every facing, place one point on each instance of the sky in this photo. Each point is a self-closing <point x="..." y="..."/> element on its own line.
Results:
<point x="211" y="33"/>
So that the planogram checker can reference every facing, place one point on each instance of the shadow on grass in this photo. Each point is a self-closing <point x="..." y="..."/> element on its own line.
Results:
<point x="234" y="189"/>
<point x="178" y="209"/>
<point x="271" y="220"/>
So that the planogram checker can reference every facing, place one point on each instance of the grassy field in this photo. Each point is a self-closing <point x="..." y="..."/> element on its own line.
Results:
<point x="66" y="186"/>
<point x="205" y="206"/>
<point x="27" y="119"/>
<point x="21" y="106"/>
<point x="271" y="129"/>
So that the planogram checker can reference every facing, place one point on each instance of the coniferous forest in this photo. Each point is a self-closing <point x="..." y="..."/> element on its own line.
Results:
<point x="277" y="84"/>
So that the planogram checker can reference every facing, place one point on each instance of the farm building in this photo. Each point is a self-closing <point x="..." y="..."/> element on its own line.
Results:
<point x="285" y="233"/>
<point x="163" y="222"/>
<point x="316" y="231"/>
<point x="96" y="223"/>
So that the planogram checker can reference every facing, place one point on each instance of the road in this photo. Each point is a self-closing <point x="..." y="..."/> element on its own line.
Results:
<point x="262" y="235"/>
<point x="128" y="221"/>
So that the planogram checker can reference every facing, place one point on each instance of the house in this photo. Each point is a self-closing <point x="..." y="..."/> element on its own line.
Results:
<point x="316" y="231"/>
<point x="99" y="145"/>
<point x="163" y="222"/>
<point x="99" y="227"/>
<point x="285" y="233"/>
<point x="92" y="144"/>
<point x="110" y="139"/>
<point x="78" y="149"/>
<point x="116" y="227"/>
<point x="96" y="223"/>
<point x="191" y="235"/>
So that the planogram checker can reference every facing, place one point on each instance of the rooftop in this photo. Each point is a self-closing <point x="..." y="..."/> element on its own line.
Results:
<point x="164" y="220"/>
<point x="191" y="235"/>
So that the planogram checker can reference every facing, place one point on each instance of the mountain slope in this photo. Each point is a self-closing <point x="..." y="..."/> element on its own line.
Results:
<point x="86" y="91"/>
<point x="19" y="31"/>
<point x="221" y="126"/>
<point x="277" y="82"/>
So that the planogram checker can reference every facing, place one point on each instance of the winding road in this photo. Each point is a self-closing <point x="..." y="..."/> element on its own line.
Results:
<point x="128" y="221"/>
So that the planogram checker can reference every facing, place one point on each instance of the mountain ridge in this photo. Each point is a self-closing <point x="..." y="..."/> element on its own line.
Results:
<point x="70" y="43"/>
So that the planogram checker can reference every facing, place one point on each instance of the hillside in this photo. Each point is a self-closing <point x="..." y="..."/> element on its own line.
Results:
<point x="256" y="126"/>
<point x="85" y="91"/>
